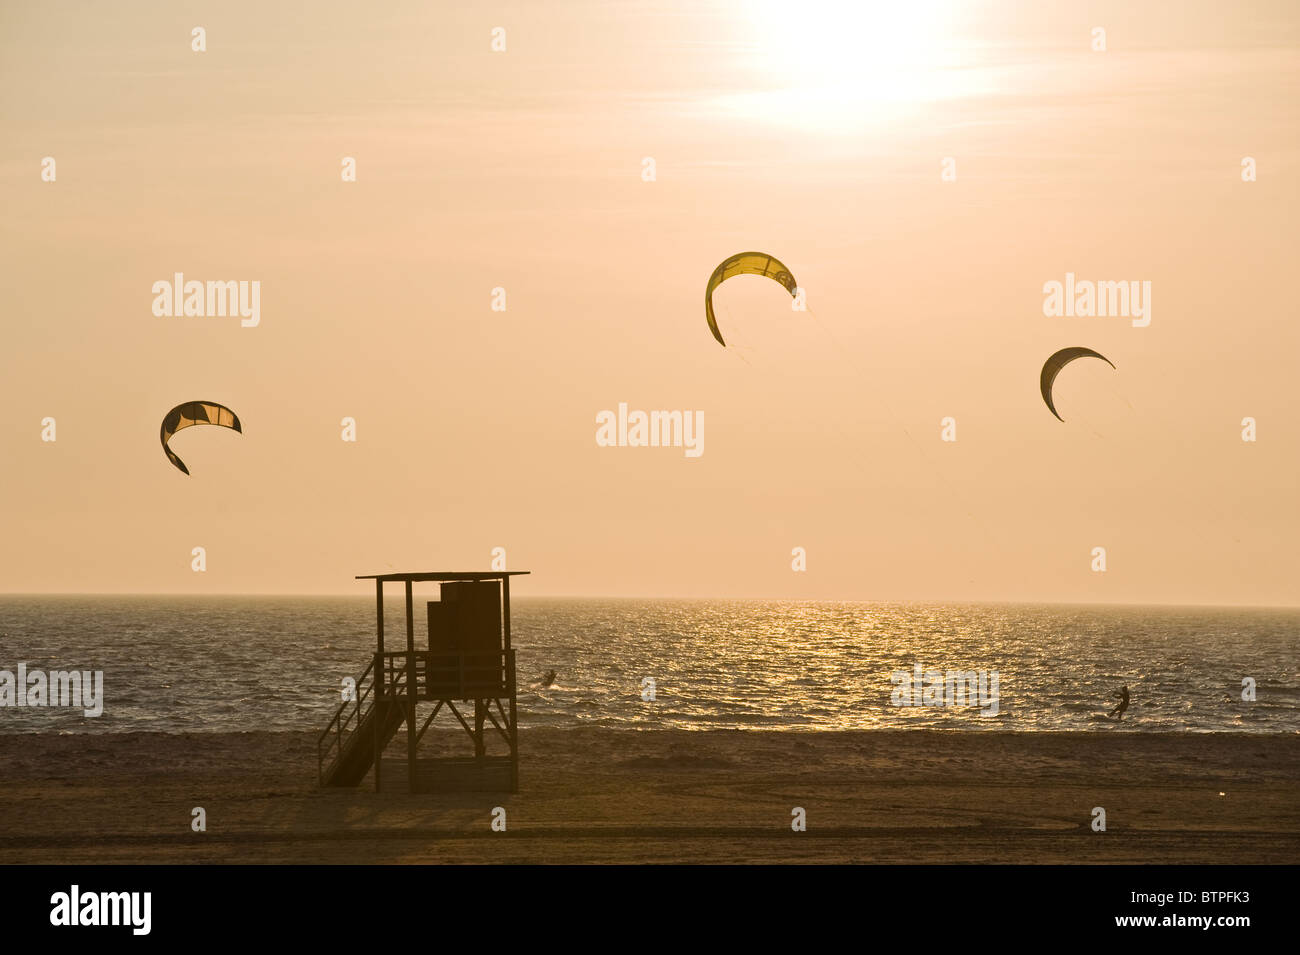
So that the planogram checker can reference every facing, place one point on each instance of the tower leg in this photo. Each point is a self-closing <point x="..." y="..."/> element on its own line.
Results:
<point x="480" y="712"/>
<point x="374" y="727"/>
<point x="410" y="745"/>
<point x="514" y="724"/>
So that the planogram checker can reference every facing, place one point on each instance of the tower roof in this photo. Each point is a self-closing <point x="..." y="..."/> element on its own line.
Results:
<point x="446" y="575"/>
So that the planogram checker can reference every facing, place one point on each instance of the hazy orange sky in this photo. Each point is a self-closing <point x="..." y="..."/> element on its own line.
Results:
<point x="813" y="131"/>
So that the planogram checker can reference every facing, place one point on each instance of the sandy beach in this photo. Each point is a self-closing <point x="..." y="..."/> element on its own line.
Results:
<point x="599" y="795"/>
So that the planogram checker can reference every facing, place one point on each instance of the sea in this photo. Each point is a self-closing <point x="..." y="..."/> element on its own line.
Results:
<point x="182" y="664"/>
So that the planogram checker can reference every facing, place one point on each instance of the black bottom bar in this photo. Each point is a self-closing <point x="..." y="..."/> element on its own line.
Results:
<point x="1224" y="905"/>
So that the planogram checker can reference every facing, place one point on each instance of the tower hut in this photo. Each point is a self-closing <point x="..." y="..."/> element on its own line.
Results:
<point x="467" y="660"/>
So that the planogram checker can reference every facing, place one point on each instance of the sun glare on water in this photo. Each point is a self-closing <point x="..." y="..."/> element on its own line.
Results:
<point x="838" y="64"/>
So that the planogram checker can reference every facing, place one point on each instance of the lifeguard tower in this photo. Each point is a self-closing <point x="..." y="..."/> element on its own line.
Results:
<point x="468" y="659"/>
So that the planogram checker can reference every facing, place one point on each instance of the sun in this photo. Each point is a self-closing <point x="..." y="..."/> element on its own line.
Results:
<point x="819" y="62"/>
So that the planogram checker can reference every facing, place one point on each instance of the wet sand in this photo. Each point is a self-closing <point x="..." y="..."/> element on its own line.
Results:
<point x="601" y="795"/>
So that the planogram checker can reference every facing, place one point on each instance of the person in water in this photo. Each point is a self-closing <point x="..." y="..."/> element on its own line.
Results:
<point x="1118" y="711"/>
<point x="549" y="678"/>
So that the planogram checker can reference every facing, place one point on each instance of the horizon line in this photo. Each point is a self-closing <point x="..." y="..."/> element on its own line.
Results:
<point x="748" y="598"/>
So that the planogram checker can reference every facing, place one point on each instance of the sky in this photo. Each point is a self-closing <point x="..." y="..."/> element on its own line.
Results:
<point x="924" y="169"/>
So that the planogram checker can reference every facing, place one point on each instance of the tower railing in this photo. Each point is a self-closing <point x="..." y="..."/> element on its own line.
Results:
<point x="434" y="675"/>
<point x="332" y="742"/>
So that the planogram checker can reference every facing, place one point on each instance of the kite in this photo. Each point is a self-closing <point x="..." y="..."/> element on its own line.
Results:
<point x="744" y="263"/>
<point x="1052" y="367"/>
<point x="192" y="413"/>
